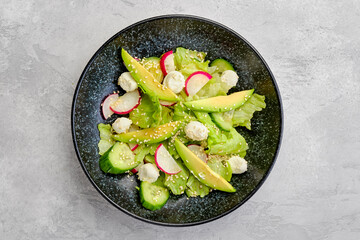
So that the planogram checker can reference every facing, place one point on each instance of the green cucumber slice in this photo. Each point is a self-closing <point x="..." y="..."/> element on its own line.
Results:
<point x="223" y="120"/>
<point x="221" y="65"/>
<point x="118" y="159"/>
<point x="153" y="196"/>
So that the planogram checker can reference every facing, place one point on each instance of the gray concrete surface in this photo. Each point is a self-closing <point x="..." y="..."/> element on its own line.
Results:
<point x="313" y="48"/>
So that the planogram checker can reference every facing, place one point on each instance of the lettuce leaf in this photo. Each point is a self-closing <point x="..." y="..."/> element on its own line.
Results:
<point x="221" y="142"/>
<point x="182" y="113"/>
<point x="150" y="113"/>
<point x="196" y="188"/>
<point x="213" y="88"/>
<point x="220" y="167"/>
<point x="243" y="115"/>
<point x="188" y="61"/>
<point x="106" y="140"/>
<point x="177" y="182"/>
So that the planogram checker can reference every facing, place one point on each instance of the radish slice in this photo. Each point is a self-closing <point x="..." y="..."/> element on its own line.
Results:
<point x="165" y="161"/>
<point x="126" y="103"/>
<point x="133" y="146"/>
<point x="195" y="82"/>
<point x="105" y="106"/>
<point x="199" y="152"/>
<point x="167" y="63"/>
<point x="166" y="103"/>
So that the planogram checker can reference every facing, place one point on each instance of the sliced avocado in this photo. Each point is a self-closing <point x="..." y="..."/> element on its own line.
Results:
<point x="152" y="64"/>
<point x="221" y="65"/>
<point x="220" y="103"/>
<point x="150" y="135"/>
<point x="202" y="171"/>
<point x="146" y="80"/>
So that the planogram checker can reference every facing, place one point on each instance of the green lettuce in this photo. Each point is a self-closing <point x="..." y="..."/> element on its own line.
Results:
<point x="243" y="114"/>
<point x="220" y="167"/>
<point x="177" y="182"/>
<point x="188" y="61"/>
<point x="196" y="188"/>
<point x="213" y="88"/>
<point x="182" y="113"/>
<point x="221" y="142"/>
<point x="150" y="113"/>
<point x="140" y="152"/>
<point x="106" y="140"/>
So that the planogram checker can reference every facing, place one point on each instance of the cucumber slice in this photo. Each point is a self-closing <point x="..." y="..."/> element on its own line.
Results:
<point x="153" y="196"/>
<point x="152" y="64"/>
<point x="223" y="120"/>
<point x="221" y="65"/>
<point x="118" y="159"/>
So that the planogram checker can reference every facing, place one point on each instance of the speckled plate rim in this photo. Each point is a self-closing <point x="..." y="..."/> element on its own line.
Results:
<point x="150" y="20"/>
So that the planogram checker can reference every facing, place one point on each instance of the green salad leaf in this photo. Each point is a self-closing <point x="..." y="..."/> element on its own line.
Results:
<point x="221" y="142"/>
<point x="220" y="167"/>
<point x="196" y="188"/>
<point x="243" y="115"/>
<point x="106" y="140"/>
<point x="189" y="61"/>
<point x="177" y="182"/>
<point x="150" y="113"/>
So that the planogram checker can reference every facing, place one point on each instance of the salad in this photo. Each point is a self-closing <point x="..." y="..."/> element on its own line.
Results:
<point x="175" y="125"/>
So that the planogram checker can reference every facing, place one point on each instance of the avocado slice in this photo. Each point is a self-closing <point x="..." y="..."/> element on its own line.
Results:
<point x="220" y="103"/>
<point x="200" y="170"/>
<point x="146" y="80"/>
<point x="150" y="135"/>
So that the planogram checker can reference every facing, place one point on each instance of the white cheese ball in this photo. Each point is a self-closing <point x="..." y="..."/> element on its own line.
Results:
<point x="121" y="125"/>
<point x="230" y="78"/>
<point x="196" y="131"/>
<point x="127" y="82"/>
<point x="238" y="165"/>
<point x="148" y="172"/>
<point x="175" y="81"/>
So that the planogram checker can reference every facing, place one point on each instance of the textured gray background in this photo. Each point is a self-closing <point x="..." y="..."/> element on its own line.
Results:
<point x="313" y="49"/>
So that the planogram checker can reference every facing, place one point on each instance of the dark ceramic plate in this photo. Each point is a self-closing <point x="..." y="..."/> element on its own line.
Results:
<point x="152" y="37"/>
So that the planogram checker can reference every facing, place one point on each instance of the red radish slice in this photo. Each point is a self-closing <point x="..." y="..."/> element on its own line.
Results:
<point x="133" y="146"/>
<point x="165" y="161"/>
<point x="195" y="82"/>
<point x="166" y="103"/>
<point x="105" y="106"/>
<point x="167" y="63"/>
<point x="199" y="152"/>
<point x="126" y="103"/>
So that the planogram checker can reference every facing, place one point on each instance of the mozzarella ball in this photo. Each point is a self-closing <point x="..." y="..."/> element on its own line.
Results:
<point x="230" y="78"/>
<point x="175" y="81"/>
<point x="127" y="82"/>
<point x="121" y="125"/>
<point x="148" y="172"/>
<point x="238" y="165"/>
<point x="196" y="131"/>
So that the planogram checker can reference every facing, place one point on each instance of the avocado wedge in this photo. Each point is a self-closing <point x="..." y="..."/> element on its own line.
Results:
<point x="200" y="170"/>
<point x="220" y="103"/>
<point x="150" y="135"/>
<point x="146" y="80"/>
